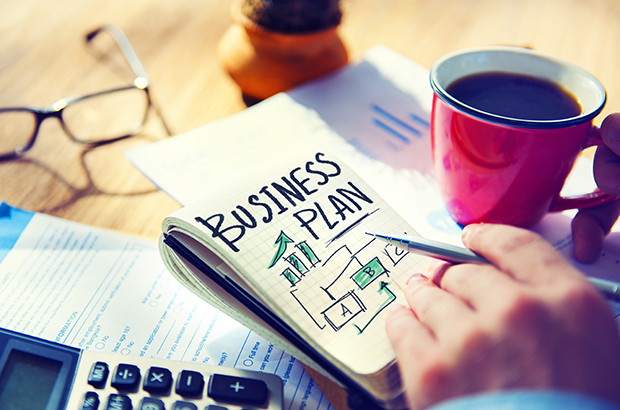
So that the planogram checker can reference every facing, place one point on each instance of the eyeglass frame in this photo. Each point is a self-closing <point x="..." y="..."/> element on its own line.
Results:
<point x="141" y="82"/>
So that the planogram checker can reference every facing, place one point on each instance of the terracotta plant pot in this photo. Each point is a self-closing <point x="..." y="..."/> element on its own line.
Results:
<point x="264" y="62"/>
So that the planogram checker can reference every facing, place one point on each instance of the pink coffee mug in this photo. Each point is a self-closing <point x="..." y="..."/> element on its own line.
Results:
<point x="494" y="168"/>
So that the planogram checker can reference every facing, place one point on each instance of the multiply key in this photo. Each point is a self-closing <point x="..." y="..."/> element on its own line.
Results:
<point x="158" y="380"/>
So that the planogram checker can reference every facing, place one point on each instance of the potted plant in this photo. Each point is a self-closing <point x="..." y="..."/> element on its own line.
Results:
<point x="274" y="45"/>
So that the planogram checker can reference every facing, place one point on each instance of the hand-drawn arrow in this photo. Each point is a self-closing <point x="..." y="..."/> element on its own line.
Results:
<point x="383" y="288"/>
<point x="283" y="241"/>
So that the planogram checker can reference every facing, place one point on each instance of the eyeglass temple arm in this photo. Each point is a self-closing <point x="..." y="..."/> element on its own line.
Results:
<point x="125" y="46"/>
<point x="131" y="57"/>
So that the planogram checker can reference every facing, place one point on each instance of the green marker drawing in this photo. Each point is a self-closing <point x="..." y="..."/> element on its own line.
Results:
<point x="368" y="273"/>
<point x="383" y="287"/>
<point x="308" y="252"/>
<point x="297" y="264"/>
<point x="283" y="241"/>
<point x="290" y="276"/>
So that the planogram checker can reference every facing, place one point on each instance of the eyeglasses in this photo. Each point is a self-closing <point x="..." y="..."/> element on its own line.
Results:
<point x="92" y="119"/>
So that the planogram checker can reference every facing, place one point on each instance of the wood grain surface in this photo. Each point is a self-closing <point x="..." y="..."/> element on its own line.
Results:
<point x="43" y="58"/>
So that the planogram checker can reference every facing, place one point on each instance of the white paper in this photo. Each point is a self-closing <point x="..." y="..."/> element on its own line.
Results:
<point x="372" y="115"/>
<point x="102" y="291"/>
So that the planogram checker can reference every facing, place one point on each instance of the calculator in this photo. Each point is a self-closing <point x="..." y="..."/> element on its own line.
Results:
<point x="37" y="374"/>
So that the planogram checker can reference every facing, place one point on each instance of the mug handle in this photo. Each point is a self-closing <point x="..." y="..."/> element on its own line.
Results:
<point x="594" y="198"/>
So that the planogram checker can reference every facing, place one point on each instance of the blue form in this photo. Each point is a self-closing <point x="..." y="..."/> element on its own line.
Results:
<point x="13" y="221"/>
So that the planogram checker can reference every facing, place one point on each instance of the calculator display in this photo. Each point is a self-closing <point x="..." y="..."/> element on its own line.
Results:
<point x="27" y="381"/>
<point x="35" y="374"/>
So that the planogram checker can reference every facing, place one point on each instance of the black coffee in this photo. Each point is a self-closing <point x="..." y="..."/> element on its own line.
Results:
<point x="515" y="96"/>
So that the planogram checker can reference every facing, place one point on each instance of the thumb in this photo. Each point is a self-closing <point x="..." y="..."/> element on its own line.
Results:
<point x="590" y="227"/>
<point x="607" y="158"/>
<point x="610" y="132"/>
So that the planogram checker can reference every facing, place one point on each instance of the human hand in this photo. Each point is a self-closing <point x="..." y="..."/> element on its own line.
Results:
<point x="591" y="226"/>
<point x="529" y="320"/>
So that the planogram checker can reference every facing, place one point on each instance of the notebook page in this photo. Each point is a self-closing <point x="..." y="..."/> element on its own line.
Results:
<point x="297" y="233"/>
<point x="103" y="291"/>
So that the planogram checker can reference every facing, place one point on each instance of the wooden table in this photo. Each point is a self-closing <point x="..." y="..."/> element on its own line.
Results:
<point x="43" y="58"/>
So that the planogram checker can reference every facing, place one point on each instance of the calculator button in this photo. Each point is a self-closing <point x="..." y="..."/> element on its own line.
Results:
<point x="98" y="375"/>
<point x="183" y="405"/>
<point x="91" y="401"/>
<point x="118" y="402"/>
<point x="215" y="407"/>
<point x="158" y="380"/>
<point x="126" y="377"/>
<point x="149" y="403"/>
<point x="237" y="389"/>
<point x="190" y="384"/>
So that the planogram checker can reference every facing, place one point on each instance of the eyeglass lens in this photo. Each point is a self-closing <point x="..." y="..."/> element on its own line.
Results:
<point x="93" y="119"/>
<point x="107" y="116"/>
<point x="16" y="130"/>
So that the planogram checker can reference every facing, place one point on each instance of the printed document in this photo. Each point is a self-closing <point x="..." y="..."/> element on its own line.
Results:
<point x="102" y="291"/>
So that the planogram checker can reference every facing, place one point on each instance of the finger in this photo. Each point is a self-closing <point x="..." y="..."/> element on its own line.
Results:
<point x="607" y="170"/>
<point x="610" y="132"/>
<point x="435" y="271"/>
<point x="588" y="236"/>
<point x="590" y="227"/>
<point x="437" y="309"/>
<point x="409" y="338"/>
<point x="479" y="286"/>
<point x="522" y="254"/>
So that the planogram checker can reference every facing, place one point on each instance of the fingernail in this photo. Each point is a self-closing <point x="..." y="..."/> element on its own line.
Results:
<point x="466" y="231"/>
<point x="416" y="277"/>
<point x="470" y="229"/>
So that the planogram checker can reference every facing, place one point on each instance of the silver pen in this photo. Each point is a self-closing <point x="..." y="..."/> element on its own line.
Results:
<point x="457" y="254"/>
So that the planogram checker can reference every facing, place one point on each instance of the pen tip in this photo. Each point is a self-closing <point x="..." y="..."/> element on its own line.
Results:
<point x="371" y="234"/>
